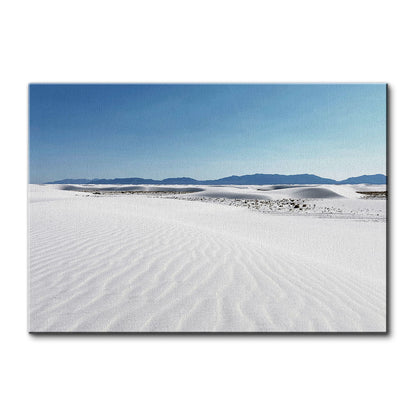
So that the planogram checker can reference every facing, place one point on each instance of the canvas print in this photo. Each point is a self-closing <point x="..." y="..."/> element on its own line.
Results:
<point x="207" y="208"/>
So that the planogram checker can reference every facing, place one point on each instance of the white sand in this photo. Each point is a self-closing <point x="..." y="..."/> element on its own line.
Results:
<point x="138" y="263"/>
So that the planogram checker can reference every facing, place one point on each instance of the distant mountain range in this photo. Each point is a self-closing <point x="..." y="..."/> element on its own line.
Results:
<point x="256" y="179"/>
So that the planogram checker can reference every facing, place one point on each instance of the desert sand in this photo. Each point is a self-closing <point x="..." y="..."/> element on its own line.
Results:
<point x="202" y="258"/>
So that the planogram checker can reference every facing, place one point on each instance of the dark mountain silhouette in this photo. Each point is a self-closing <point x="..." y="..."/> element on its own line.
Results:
<point x="262" y="179"/>
<point x="180" y="181"/>
<point x="373" y="179"/>
<point x="256" y="179"/>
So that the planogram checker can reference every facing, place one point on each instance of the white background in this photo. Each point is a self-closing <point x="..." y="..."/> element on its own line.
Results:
<point x="191" y="41"/>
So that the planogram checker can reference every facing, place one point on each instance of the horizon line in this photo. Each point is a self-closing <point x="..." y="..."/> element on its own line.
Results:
<point x="204" y="180"/>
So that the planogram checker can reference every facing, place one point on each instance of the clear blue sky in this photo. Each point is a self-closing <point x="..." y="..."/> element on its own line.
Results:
<point x="206" y="131"/>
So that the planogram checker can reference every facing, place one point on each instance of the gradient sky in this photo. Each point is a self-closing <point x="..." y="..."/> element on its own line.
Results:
<point x="206" y="131"/>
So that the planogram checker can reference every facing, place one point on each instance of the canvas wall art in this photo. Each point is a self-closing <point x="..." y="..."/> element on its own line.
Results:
<point x="207" y="208"/>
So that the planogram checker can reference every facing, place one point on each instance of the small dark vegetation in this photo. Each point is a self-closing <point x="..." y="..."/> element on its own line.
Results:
<point x="373" y="194"/>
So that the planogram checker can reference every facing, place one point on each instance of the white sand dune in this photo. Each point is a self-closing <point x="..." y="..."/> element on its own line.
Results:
<point x="315" y="192"/>
<point x="129" y="188"/>
<point x="134" y="263"/>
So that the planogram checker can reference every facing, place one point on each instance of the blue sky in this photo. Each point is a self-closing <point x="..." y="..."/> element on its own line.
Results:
<point x="206" y="131"/>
